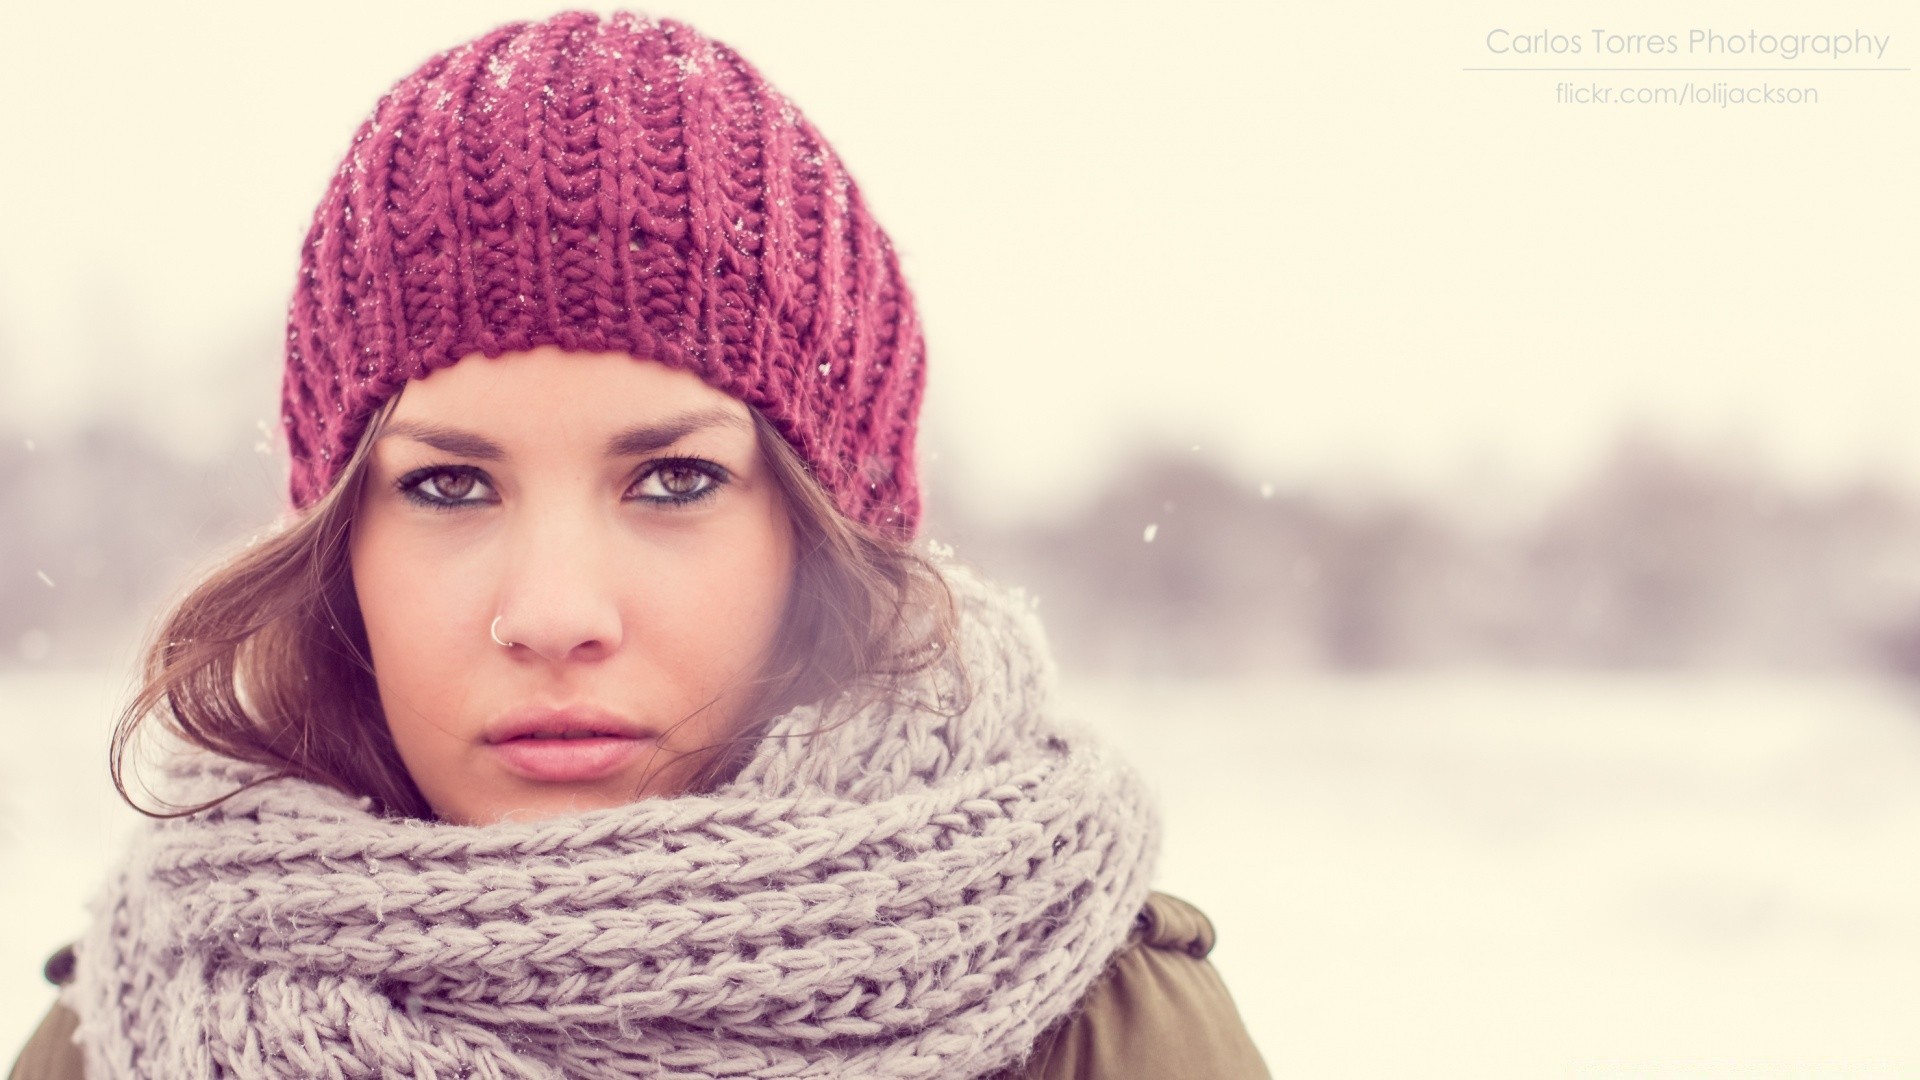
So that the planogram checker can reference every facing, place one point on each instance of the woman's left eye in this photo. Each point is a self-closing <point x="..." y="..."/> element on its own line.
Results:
<point x="679" y="481"/>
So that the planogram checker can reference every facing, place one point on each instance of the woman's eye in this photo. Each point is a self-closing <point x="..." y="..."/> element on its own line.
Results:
<point x="678" y="482"/>
<point x="681" y="480"/>
<point x="442" y="487"/>
<point x="453" y="486"/>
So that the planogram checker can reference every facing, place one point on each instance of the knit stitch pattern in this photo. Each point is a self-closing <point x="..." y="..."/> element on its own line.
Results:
<point x="608" y="185"/>
<point x="906" y="895"/>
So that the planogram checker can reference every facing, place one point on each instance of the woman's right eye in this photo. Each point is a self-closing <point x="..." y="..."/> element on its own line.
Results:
<point x="443" y="487"/>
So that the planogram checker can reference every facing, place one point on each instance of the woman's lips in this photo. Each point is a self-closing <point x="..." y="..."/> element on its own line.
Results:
<point x="562" y="760"/>
<point x="567" y="744"/>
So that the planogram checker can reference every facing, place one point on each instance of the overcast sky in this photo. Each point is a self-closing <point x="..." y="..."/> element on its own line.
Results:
<point x="1302" y="237"/>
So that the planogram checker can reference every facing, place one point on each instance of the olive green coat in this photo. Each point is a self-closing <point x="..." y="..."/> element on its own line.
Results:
<point x="1159" y="1010"/>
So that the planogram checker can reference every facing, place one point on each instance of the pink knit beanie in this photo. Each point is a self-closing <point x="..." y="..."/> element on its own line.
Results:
<point x="617" y="185"/>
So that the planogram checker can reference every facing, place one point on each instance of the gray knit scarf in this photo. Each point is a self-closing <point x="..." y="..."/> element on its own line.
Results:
<point x="908" y="895"/>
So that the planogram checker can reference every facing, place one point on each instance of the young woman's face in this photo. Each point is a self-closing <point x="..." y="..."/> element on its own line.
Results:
<point x="614" y="515"/>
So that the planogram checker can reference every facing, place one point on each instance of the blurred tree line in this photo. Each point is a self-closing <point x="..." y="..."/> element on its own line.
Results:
<point x="104" y="524"/>
<point x="1657" y="559"/>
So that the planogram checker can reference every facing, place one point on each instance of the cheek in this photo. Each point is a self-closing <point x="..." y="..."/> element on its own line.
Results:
<point x="721" y="603"/>
<point x="412" y="616"/>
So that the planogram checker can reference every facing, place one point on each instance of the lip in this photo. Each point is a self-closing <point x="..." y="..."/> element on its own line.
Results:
<point x="580" y="744"/>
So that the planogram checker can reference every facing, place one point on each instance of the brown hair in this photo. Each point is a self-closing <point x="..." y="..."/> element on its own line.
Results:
<point x="265" y="659"/>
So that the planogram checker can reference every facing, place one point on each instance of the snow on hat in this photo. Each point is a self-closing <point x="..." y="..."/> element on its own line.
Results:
<point x="617" y="185"/>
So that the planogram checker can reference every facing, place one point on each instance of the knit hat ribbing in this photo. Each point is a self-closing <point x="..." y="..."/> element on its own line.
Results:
<point x="618" y="185"/>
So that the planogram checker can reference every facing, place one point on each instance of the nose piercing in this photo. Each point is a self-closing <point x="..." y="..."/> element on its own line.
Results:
<point x="493" y="631"/>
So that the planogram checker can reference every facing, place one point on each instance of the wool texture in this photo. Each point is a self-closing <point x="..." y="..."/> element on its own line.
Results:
<point x="907" y="894"/>
<point x="623" y="184"/>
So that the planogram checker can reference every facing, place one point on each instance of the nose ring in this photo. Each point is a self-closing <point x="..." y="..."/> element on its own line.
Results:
<point x="493" y="631"/>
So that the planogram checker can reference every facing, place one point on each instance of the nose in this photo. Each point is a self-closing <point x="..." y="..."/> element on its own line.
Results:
<point x="558" y="595"/>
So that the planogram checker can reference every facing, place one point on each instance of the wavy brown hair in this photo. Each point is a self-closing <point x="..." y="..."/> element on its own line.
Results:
<point x="265" y="659"/>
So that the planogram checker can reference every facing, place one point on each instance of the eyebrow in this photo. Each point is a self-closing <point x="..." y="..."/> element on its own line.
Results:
<point x="628" y="442"/>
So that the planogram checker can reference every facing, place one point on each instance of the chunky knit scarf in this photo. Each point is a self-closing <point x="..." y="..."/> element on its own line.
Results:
<point x="905" y="895"/>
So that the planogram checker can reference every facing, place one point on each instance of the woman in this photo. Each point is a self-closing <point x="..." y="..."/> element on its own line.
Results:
<point x="596" y="713"/>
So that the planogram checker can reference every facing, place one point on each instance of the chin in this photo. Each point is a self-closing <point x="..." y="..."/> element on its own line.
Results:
<point x="536" y="802"/>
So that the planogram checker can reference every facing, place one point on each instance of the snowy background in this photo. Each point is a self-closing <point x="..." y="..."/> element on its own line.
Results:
<point x="1493" y="525"/>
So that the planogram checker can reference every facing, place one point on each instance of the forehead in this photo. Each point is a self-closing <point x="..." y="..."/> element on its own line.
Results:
<point x="547" y="385"/>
